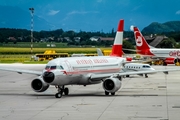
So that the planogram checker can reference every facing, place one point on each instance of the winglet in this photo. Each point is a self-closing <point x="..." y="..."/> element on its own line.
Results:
<point x="99" y="52"/>
<point x="117" y="46"/>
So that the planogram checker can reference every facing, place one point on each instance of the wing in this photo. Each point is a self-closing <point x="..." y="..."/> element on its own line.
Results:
<point x="131" y="50"/>
<point x="101" y="76"/>
<point x="20" y="71"/>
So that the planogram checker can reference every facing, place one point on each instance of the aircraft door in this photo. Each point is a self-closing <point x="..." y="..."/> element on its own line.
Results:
<point x="69" y="67"/>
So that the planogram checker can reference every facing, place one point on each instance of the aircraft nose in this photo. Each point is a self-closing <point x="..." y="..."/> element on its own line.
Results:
<point x="152" y="69"/>
<point x="48" y="77"/>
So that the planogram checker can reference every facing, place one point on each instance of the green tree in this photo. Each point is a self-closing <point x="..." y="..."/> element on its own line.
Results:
<point x="168" y="43"/>
<point x="127" y="45"/>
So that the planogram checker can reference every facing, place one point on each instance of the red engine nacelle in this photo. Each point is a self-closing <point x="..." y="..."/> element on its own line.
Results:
<point x="128" y="59"/>
<point x="170" y="60"/>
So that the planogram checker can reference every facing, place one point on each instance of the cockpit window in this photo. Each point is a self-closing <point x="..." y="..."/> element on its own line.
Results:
<point x="60" y="67"/>
<point x="47" y="67"/>
<point x="50" y="67"/>
<point x="53" y="67"/>
<point x="146" y="66"/>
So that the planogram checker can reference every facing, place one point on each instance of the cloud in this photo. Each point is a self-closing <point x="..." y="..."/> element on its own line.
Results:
<point x="81" y="12"/>
<point x="136" y="8"/>
<point x="53" y="12"/>
<point x="77" y="12"/>
<point x="178" y="12"/>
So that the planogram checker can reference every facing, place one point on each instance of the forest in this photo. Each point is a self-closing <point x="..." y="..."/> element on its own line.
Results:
<point x="8" y="35"/>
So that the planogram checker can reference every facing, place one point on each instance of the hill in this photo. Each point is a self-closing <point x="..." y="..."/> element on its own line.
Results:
<point x="155" y="27"/>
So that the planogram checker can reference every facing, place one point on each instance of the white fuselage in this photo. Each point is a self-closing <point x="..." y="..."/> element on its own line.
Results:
<point x="165" y="53"/>
<point x="78" y="70"/>
<point x="137" y="67"/>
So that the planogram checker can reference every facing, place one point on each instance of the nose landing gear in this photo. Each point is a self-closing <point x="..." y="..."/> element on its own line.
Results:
<point x="61" y="90"/>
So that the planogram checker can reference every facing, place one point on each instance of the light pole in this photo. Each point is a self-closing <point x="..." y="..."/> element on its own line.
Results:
<point x="32" y="12"/>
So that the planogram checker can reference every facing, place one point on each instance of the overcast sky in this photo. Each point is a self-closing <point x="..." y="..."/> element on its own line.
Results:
<point x="95" y="15"/>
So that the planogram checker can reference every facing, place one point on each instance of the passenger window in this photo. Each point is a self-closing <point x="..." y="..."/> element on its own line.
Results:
<point x="146" y="66"/>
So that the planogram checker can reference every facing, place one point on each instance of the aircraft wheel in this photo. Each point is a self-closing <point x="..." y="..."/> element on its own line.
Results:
<point x="66" y="91"/>
<point x="113" y="93"/>
<point x="127" y="75"/>
<point x="164" y="64"/>
<point x="146" y="76"/>
<point x="106" y="93"/>
<point x="58" y="95"/>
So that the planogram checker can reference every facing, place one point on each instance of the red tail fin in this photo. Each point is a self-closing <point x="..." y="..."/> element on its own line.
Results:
<point x="117" y="46"/>
<point x="142" y="46"/>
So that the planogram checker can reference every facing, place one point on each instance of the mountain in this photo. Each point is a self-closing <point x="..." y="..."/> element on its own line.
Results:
<point x="15" y="17"/>
<point x="155" y="27"/>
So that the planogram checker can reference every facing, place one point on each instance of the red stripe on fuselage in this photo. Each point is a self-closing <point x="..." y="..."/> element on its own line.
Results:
<point x="94" y="71"/>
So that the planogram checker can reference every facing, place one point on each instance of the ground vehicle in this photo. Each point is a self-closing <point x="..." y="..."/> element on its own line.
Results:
<point x="49" y="55"/>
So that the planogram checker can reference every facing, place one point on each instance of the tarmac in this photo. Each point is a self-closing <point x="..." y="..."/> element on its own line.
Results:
<point x="154" y="98"/>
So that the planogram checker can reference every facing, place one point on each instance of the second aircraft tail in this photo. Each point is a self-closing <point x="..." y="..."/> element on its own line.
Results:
<point x="142" y="47"/>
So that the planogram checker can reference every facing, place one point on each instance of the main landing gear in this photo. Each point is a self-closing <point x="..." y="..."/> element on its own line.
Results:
<point x="146" y="76"/>
<point x="61" y="90"/>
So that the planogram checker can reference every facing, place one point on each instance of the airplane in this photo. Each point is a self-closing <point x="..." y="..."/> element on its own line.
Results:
<point x="138" y="67"/>
<point x="168" y="56"/>
<point x="61" y="72"/>
<point x="130" y="66"/>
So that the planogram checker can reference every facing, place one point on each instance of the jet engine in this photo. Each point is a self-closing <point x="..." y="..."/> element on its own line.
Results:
<point x="171" y="60"/>
<point x="111" y="85"/>
<point x="38" y="85"/>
